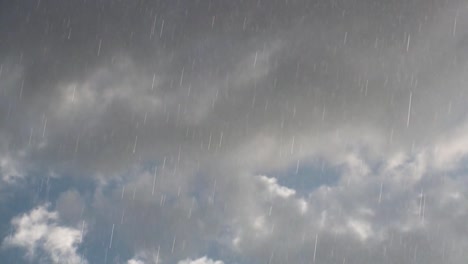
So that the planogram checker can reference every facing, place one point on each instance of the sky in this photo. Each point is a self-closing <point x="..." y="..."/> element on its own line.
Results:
<point x="233" y="132"/>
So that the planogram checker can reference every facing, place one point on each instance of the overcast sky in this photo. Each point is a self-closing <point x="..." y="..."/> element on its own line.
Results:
<point x="234" y="131"/>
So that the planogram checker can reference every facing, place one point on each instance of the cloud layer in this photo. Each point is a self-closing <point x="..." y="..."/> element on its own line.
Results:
<point x="40" y="235"/>
<point x="241" y="131"/>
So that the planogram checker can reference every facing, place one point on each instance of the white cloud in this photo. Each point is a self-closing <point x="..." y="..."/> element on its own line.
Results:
<point x="449" y="152"/>
<point x="361" y="228"/>
<point x="275" y="189"/>
<point x="146" y="257"/>
<point x="39" y="229"/>
<point x="9" y="169"/>
<point x="203" y="260"/>
<point x="135" y="261"/>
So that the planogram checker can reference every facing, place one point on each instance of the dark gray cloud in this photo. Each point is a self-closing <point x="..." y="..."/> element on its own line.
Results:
<point x="182" y="113"/>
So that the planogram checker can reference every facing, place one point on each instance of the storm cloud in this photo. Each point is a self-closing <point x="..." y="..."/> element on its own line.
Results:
<point x="233" y="131"/>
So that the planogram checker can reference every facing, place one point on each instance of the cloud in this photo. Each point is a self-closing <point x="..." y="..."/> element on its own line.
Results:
<point x="276" y="189"/>
<point x="39" y="231"/>
<point x="202" y="260"/>
<point x="9" y="169"/>
<point x="135" y="261"/>
<point x="188" y="118"/>
<point x="70" y="205"/>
